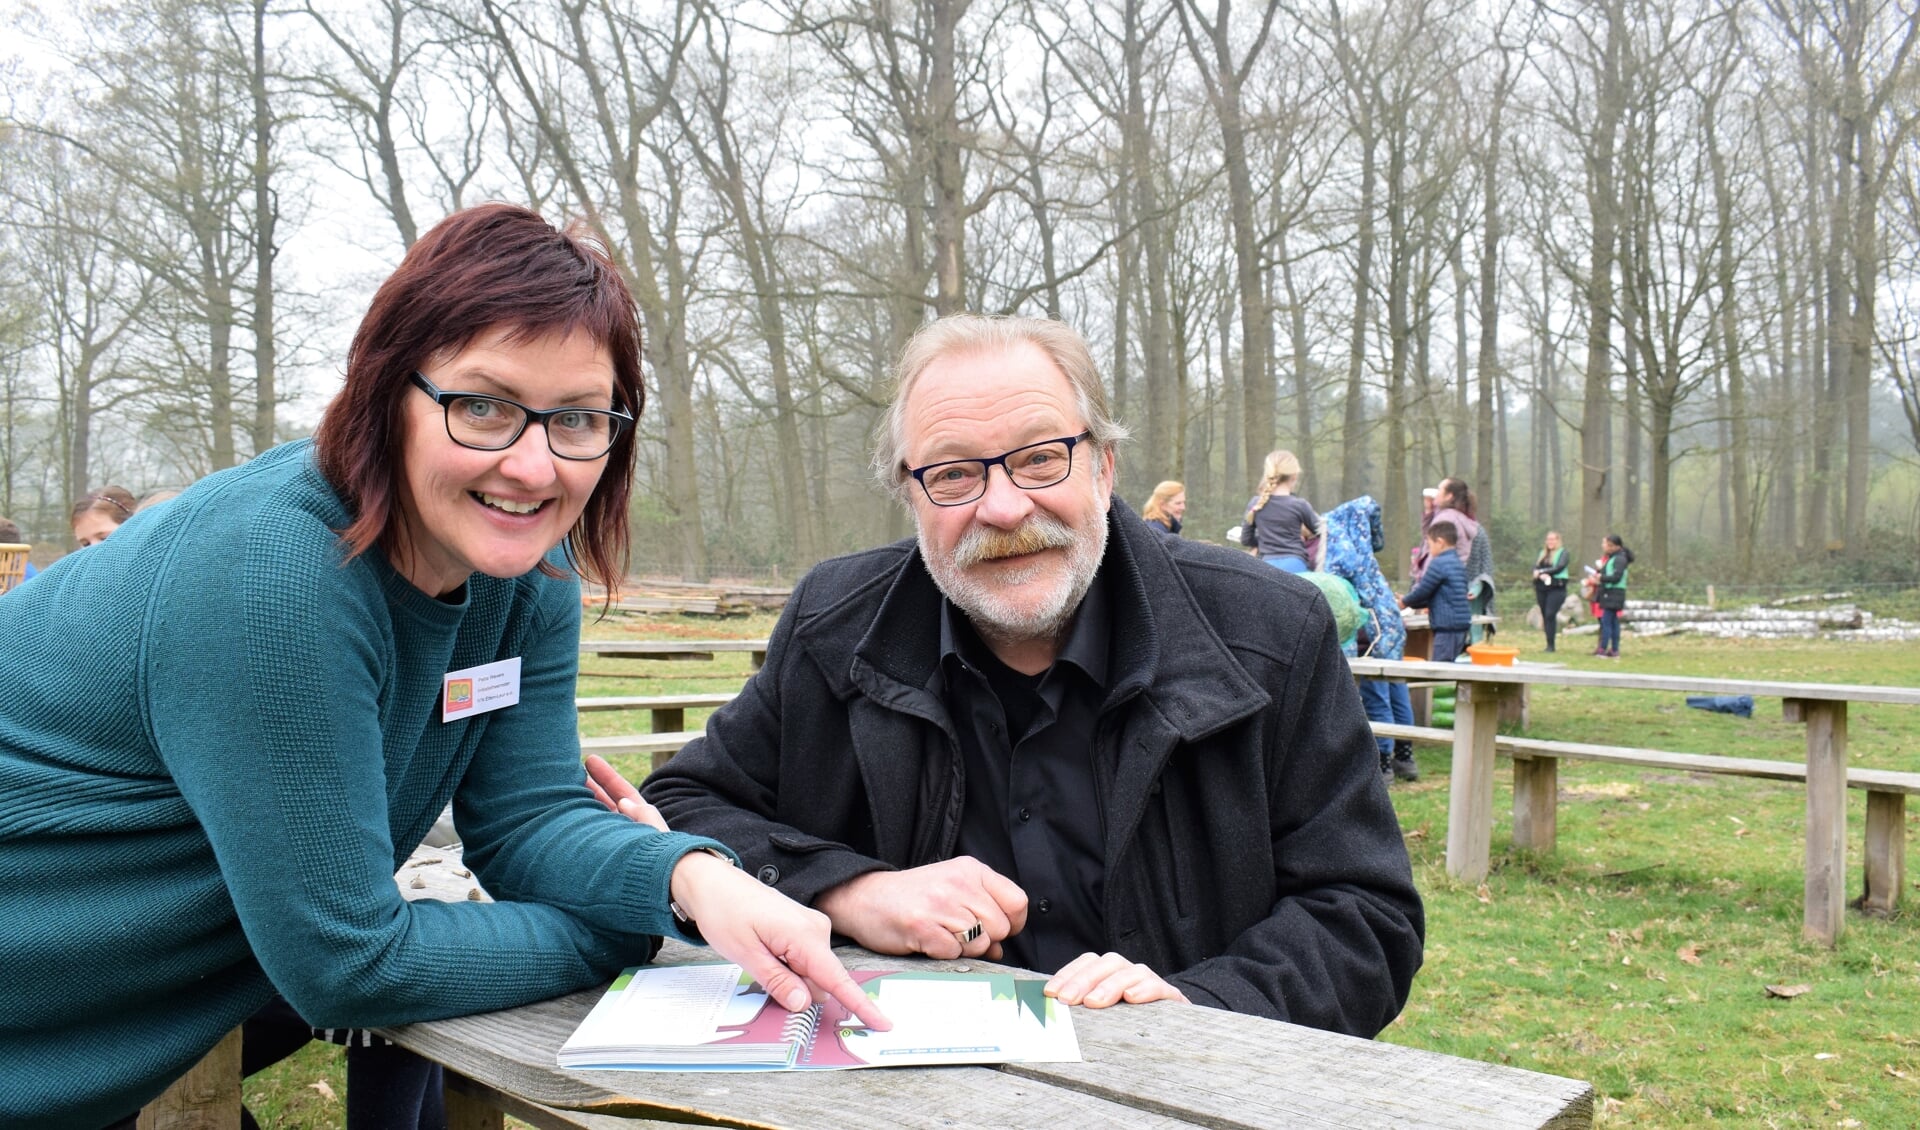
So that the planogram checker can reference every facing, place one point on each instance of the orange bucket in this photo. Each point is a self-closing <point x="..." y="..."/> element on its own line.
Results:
<point x="1491" y="655"/>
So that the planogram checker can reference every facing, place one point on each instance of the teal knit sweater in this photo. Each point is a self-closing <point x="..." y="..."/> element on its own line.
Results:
<point x="216" y="745"/>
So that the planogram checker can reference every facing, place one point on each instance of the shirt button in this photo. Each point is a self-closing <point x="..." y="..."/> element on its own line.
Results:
<point x="1025" y="816"/>
<point x="1044" y="906"/>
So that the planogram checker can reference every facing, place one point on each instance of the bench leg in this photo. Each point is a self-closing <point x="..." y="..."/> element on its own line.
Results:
<point x="1826" y="878"/>
<point x="207" y="1097"/>
<point x="1536" y="795"/>
<point x="1886" y="851"/>
<point x="469" y="1106"/>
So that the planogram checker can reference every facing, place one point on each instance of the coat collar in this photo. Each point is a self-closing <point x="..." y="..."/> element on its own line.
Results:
<point x="1162" y="645"/>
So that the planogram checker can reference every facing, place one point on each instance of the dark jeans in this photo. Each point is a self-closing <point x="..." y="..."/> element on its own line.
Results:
<point x="1550" y="601"/>
<point x="1386" y="702"/>
<point x="1447" y="644"/>
<point x="1610" y="629"/>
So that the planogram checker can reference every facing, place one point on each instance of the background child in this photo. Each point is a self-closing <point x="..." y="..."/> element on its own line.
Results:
<point x="1443" y="592"/>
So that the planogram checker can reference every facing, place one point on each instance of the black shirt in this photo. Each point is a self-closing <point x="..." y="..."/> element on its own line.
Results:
<point x="1032" y="810"/>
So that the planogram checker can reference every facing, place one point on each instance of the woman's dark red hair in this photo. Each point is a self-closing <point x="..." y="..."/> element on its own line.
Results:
<point x="489" y="267"/>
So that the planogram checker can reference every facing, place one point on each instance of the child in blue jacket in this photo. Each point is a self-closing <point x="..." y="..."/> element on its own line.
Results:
<point x="1442" y="590"/>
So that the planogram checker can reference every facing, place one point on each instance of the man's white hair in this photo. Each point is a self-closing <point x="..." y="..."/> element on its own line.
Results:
<point x="979" y="333"/>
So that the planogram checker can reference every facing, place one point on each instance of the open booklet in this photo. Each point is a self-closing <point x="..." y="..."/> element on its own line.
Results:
<point x="714" y="1017"/>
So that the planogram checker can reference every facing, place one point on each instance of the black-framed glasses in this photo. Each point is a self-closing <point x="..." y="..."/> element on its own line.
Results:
<point x="494" y="423"/>
<point x="960" y="481"/>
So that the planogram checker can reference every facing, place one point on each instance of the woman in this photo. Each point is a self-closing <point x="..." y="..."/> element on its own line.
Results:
<point x="1282" y="522"/>
<point x="1166" y="507"/>
<point x="1550" y="584"/>
<point x="1611" y="593"/>
<point x="1454" y="502"/>
<point x="210" y="786"/>
<point x="98" y="514"/>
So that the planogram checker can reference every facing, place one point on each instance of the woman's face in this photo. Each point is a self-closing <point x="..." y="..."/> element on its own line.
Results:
<point x="1553" y="541"/>
<point x="1177" y="505"/>
<point x="495" y="512"/>
<point x="93" y="526"/>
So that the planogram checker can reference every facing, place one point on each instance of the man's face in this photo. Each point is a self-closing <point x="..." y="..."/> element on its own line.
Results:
<point x="1017" y="562"/>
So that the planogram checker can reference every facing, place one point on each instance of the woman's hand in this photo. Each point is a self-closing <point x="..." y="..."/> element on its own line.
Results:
<point x="784" y="946"/>
<point x="618" y="793"/>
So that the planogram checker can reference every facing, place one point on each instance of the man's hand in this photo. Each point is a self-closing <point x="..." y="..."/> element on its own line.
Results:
<point x="1097" y="980"/>
<point x="618" y="793"/>
<point x="928" y="909"/>
<point x="781" y="944"/>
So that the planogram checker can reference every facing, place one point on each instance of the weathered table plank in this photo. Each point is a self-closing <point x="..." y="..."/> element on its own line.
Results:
<point x="1160" y="1065"/>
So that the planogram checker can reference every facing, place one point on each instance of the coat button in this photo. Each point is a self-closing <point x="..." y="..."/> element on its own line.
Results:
<point x="1044" y="906"/>
<point x="769" y="874"/>
<point x="1025" y="816"/>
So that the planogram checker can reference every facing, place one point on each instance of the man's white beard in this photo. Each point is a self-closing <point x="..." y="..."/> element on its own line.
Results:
<point x="989" y="604"/>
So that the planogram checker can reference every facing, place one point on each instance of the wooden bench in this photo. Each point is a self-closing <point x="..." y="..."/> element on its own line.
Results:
<point x="660" y="746"/>
<point x="669" y="711"/>
<point x="672" y="649"/>
<point x="1482" y="692"/>
<point x="1536" y="794"/>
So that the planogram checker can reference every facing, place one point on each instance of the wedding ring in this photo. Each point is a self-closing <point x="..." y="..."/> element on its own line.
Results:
<point x="970" y="933"/>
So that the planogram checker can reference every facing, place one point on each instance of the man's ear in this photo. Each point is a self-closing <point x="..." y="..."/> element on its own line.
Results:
<point x="1104" y="482"/>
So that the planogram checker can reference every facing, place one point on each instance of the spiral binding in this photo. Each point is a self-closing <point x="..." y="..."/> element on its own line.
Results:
<point x="802" y="1028"/>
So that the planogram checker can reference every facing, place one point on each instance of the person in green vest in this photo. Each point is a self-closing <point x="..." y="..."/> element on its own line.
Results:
<point x="1550" y="584"/>
<point x="1612" y="593"/>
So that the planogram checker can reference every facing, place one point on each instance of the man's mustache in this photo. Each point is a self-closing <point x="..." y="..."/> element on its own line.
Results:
<point x="986" y="543"/>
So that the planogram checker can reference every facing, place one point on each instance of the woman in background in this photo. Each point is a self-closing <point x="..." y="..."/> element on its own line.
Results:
<point x="100" y="513"/>
<point x="1166" y="507"/>
<point x="1550" y="584"/>
<point x="1283" y="522"/>
<point x="1611" y="593"/>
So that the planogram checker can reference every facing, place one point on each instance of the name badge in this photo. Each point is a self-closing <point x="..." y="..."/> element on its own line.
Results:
<point x="477" y="690"/>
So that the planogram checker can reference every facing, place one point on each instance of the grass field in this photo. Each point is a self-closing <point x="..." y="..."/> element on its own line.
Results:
<point x="1637" y="956"/>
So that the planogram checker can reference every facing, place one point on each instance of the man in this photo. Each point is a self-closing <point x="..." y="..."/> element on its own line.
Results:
<point x="1041" y="733"/>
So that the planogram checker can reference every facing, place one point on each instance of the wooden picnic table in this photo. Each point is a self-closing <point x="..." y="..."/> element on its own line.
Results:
<point x="1161" y="1065"/>
<point x="1821" y="706"/>
<point x="674" y="649"/>
<point x="1420" y="646"/>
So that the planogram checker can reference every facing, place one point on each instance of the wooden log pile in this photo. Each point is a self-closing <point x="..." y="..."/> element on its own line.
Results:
<point x="1785" y="618"/>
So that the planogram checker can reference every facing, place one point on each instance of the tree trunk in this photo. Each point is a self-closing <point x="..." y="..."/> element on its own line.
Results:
<point x="265" y="218"/>
<point x="1596" y="411"/>
<point x="1354" y="438"/>
<point x="949" y="172"/>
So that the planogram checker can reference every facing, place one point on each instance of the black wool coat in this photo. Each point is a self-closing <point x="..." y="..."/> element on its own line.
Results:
<point x="1252" y="856"/>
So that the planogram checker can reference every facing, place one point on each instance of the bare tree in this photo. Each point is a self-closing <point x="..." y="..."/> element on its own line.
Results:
<point x="1210" y="39"/>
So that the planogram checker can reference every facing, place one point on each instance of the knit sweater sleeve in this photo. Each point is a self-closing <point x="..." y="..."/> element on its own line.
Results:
<point x="270" y="699"/>
<point x="532" y="831"/>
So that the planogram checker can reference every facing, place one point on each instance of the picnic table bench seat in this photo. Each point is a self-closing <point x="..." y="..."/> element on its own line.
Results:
<point x="1536" y="794"/>
<point x="659" y="746"/>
